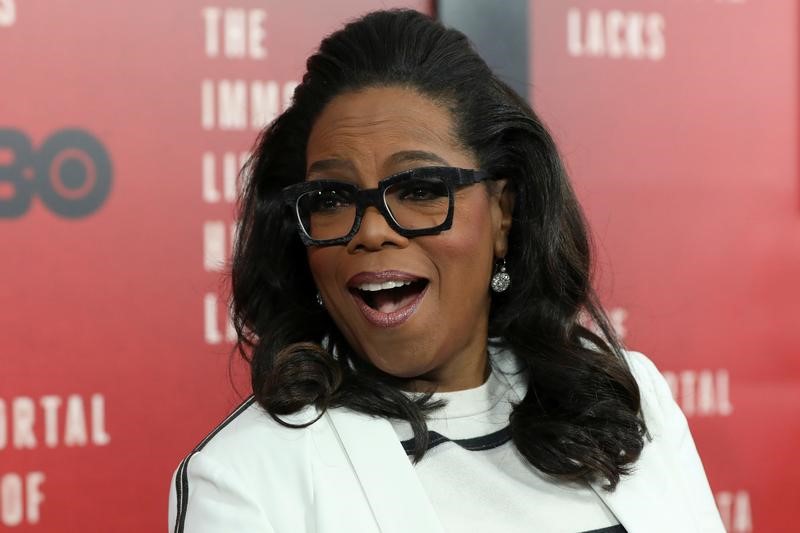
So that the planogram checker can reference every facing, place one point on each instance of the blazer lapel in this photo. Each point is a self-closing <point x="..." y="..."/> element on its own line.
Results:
<point x="391" y="486"/>
<point x="648" y="500"/>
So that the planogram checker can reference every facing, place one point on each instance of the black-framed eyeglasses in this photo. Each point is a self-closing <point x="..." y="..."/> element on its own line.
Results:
<point x="413" y="202"/>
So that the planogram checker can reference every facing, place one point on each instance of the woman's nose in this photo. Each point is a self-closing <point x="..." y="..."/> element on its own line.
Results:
<point x="375" y="233"/>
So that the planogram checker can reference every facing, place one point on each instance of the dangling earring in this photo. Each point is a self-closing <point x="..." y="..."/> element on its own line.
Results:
<point x="319" y="300"/>
<point x="500" y="279"/>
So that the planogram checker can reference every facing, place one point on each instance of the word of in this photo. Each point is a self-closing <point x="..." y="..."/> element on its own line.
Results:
<point x="20" y="498"/>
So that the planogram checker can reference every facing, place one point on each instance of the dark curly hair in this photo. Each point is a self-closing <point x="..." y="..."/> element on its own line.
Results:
<point x="580" y="419"/>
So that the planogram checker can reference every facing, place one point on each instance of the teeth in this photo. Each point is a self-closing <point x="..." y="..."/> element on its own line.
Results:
<point x="382" y="286"/>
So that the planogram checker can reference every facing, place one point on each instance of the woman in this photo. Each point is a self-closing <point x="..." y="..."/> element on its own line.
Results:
<point x="409" y="282"/>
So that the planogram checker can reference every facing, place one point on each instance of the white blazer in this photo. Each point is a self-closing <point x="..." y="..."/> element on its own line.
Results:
<point x="349" y="472"/>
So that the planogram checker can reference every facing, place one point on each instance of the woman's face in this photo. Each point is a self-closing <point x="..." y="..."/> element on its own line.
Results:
<point x="435" y="329"/>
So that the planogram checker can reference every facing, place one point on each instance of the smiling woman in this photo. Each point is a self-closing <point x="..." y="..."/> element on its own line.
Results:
<point x="437" y="337"/>
<point x="408" y="281"/>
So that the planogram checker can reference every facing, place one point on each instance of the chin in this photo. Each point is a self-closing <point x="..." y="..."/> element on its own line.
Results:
<point x="398" y="371"/>
<point x="415" y="371"/>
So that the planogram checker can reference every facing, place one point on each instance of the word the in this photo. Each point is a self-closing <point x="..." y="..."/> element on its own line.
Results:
<point x="22" y="426"/>
<point x="8" y="13"/>
<point x="703" y="393"/>
<point x="243" y="32"/>
<point x="20" y="498"/>
<point x="616" y="34"/>
<point x="238" y="104"/>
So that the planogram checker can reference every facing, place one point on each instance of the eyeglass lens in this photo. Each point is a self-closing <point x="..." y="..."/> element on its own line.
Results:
<point x="417" y="203"/>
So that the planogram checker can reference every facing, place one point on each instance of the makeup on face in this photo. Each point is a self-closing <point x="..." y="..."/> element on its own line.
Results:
<point x="415" y="307"/>
<point x="389" y="297"/>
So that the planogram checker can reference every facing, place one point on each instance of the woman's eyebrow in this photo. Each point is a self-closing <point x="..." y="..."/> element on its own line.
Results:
<point x="406" y="156"/>
<point x="416" y="156"/>
<point x="327" y="165"/>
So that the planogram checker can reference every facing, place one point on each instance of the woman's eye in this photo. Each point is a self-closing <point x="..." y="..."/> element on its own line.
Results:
<point x="423" y="191"/>
<point x="419" y="193"/>
<point x="330" y="200"/>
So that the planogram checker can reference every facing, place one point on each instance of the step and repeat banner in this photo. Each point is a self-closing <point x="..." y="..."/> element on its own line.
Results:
<point x="678" y="121"/>
<point x="122" y="130"/>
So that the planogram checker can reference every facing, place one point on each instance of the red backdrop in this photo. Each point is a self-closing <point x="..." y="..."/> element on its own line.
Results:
<point x="678" y="121"/>
<point x="120" y="131"/>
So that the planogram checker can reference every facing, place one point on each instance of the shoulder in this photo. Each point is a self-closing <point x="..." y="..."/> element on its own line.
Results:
<point x="248" y="443"/>
<point x="662" y="414"/>
<point x="250" y="434"/>
<point x="671" y="443"/>
<point x="645" y="372"/>
<point x="642" y="366"/>
<point x="653" y="388"/>
<point x="246" y="455"/>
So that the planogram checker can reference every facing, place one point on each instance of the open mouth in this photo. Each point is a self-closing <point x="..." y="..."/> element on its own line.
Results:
<point x="390" y="300"/>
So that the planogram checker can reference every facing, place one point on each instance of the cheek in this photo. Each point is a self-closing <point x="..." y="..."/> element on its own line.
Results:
<point x="471" y="231"/>
<point x="322" y="263"/>
<point x="464" y="254"/>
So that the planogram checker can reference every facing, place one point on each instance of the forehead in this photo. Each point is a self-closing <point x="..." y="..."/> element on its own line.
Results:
<point x="368" y="126"/>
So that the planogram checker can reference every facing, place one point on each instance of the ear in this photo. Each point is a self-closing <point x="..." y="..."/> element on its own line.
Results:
<point x="501" y="199"/>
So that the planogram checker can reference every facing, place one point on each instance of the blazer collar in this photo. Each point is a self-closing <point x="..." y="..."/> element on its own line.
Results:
<point x="649" y="500"/>
<point x="388" y="479"/>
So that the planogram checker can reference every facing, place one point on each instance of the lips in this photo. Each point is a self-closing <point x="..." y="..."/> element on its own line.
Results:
<point x="387" y="298"/>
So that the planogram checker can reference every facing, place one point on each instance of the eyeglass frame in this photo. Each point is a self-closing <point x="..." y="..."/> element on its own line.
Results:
<point x="376" y="197"/>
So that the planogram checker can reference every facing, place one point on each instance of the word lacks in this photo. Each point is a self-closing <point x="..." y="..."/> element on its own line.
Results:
<point x="616" y="34"/>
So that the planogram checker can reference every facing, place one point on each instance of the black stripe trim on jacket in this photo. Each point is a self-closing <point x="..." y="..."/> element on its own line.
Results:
<point x="619" y="528"/>
<point x="182" y="477"/>
<point x="484" y="442"/>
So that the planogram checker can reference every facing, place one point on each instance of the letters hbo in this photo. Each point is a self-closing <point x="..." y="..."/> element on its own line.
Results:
<point x="70" y="172"/>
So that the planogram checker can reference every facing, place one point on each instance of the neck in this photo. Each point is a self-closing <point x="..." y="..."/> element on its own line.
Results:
<point x="469" y="370"/>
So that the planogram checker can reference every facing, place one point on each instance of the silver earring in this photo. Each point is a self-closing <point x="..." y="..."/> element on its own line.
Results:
<point x="319" y="300"/>
<point x="500" y="279"/>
